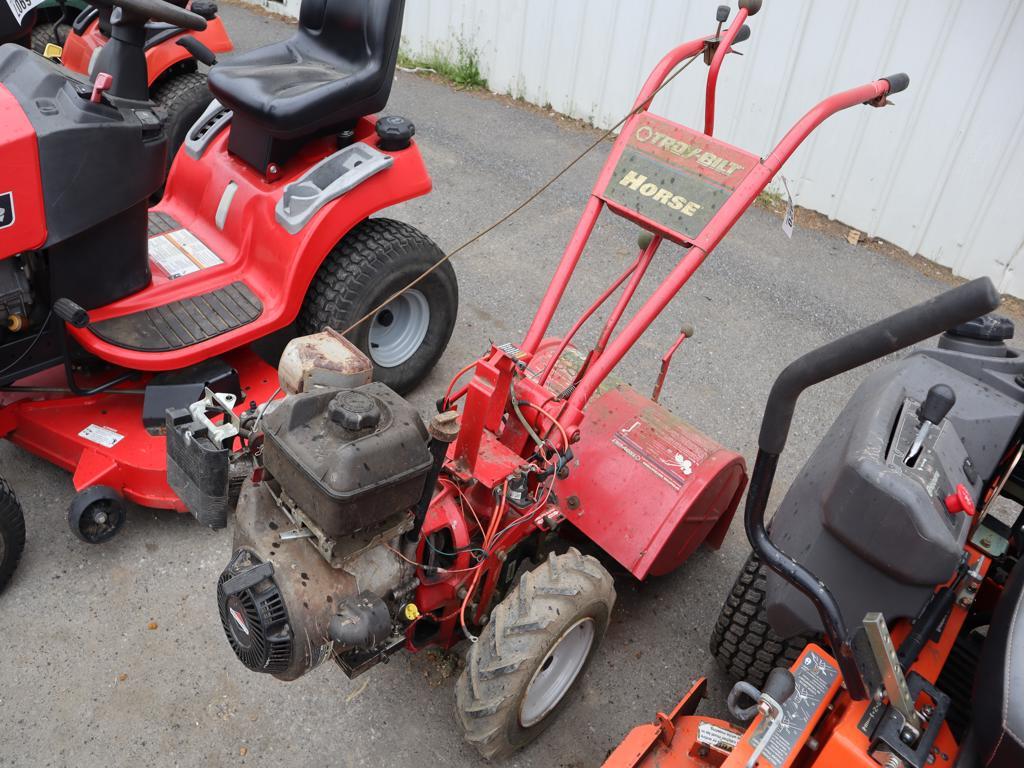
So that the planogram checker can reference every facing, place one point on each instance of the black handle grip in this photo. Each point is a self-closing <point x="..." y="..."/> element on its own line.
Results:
<point x="901" y="330"/>
<point x="742" y="35"/>
<point x="752" y="6"/>
<point x="198" y="49"/>
<point x="780" y="685"/>
<point x="722" y="14"/>
<point x="71" y="313"/>
<point x="937" y="403"/>
<point x="897" y="82"/>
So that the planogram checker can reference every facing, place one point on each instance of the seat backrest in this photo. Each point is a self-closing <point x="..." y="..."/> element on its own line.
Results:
<point x="353" y="30"/>
<point x="998" y="700"/>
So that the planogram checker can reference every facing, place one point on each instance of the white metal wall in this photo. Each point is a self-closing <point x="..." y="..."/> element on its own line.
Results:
<point x="941" y="173"/>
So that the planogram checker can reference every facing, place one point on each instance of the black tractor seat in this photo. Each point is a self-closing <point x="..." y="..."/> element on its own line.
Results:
<point x="999" y="682"/>
<point x="337" y="68"/>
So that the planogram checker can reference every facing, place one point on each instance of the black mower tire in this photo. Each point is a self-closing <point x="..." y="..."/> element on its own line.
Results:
<point x="375" y="259"/>
<point x="12" y="533"/>
<point x="42" y="33"/>
<point x="742" y="641"/>
<point x="182" y="97"/>
<point x="546" y="605"/>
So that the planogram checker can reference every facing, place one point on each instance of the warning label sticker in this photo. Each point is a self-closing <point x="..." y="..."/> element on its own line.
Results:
<point x="104" y="436"/>
<point x="20" y="7"/>
<point x="668" y="450"/>
<point x="814" y="679"/>
<point x="717" y="737"/>
<point x="181" y="253"/>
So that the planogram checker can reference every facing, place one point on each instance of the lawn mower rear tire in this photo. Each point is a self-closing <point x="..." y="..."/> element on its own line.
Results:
<point x="12" y="533"/>
<point x="742" y="641"/>
<point x="42" y="34"/>
<point x="377" y="258"/>
<point x="182" y="96"/>
<point x="540" y="640"/>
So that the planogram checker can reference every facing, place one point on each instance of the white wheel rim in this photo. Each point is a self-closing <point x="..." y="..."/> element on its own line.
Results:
<point x="557" y="673"/>
<point x="398" y="330"/>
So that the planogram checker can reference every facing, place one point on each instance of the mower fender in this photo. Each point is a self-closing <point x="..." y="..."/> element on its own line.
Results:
<point x="161" y="57"/>
<point x="229" y="207"/>
<point x="79" y="49"/>
<point x="647" y="487"/>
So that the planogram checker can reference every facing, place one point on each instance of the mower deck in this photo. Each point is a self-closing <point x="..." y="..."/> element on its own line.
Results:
<point x="100" y="438"/>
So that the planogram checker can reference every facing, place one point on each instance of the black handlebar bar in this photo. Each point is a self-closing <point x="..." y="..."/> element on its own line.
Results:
<point x="158" y="10"/>
<point x="897" y="82"/>
<point x="884" y="337"/>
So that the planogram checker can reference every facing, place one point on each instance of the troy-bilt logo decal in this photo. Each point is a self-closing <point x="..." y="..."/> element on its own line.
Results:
<point x="239" y="620"/>
<point x="646" y="134"/>
<point x="6" y="210"/>
<point x="673" y="178"/>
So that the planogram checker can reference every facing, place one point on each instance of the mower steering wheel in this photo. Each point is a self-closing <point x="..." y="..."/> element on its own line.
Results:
<point x="159" y="10"/>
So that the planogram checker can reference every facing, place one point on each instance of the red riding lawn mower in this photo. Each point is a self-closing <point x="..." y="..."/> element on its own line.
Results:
<point x="111" y="313"/>
<point x="362" y="532"/>
<point x="887" y="525"/>
<point x="173" y="51"/>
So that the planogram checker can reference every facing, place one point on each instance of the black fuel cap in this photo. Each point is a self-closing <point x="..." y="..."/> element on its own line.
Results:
<point x="985" y="328"/>
<point x="394" y="133"/>
<point x="205" y="8"/>
<point x="354" y="410"/>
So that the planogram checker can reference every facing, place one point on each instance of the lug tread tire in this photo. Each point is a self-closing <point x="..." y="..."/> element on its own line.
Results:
<point x="182" y="97"/>
<point x="742" y="641"/>
<point x="349" y="284"/>
<point x="523" y="626"/>
<point x="42" y="33"/>
<point x="12" y="529"/>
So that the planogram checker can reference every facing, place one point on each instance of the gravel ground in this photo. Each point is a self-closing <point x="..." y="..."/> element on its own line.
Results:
<point x="86" y="683"/>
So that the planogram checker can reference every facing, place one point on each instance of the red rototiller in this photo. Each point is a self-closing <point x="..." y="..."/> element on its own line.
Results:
<point x="362" y="532"/>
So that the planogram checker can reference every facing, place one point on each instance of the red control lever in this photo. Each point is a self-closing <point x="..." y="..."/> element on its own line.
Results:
<point x="102" y="83"/>
<point x="960" y="501"/>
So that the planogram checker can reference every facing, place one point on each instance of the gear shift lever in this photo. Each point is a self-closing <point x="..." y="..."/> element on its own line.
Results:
<point x="937" y="403"/>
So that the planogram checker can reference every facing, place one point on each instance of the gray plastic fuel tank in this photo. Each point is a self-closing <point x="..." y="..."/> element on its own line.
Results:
<point x="880" y="539"/>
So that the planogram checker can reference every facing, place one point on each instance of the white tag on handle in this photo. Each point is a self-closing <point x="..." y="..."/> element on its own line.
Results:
<point x="787" y="220"/>
<point x="21" y="7"/>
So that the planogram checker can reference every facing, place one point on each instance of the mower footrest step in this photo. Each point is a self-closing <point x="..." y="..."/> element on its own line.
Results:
<point x="183" y="323"/>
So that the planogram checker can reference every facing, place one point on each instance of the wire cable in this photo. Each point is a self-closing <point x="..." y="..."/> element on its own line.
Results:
<point x="31" y="346"/>
<point x="543" y="187"/>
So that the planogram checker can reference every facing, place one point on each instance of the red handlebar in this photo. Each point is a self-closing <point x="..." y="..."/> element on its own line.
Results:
<point x="716" y="64"/>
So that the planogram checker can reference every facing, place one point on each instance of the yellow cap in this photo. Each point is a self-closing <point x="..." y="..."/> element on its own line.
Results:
<point x="411" y="612"/>
<point x="53" y="52"/>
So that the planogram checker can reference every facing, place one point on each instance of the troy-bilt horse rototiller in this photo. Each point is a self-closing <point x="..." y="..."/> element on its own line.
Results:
<point x="363" y="532"/>
<point x="898" y="593"/>
<point x="111" y="313"/>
